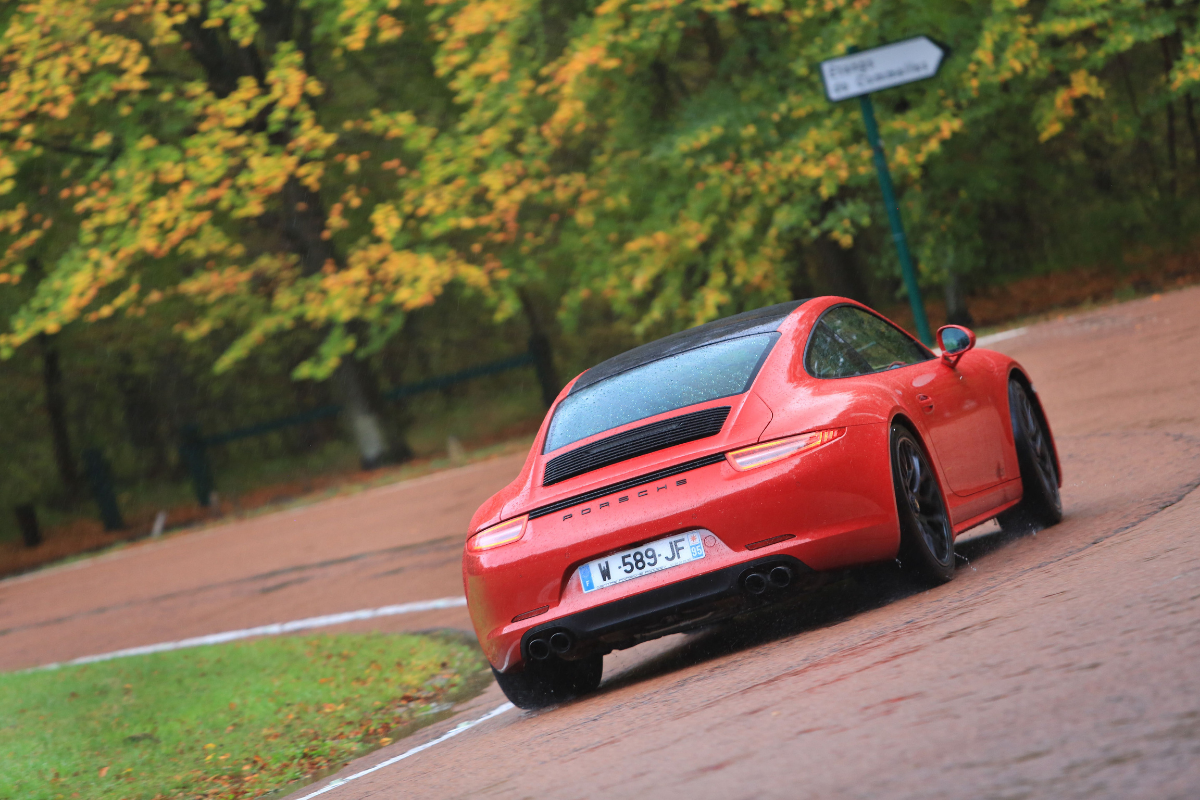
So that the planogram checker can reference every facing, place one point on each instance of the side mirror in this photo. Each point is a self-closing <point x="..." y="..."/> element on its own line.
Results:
<point x="954" y="341"/>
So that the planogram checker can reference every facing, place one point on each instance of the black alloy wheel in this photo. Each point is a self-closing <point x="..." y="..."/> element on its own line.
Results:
<point x="1041" y="502"/>
<point x="544" y="683"/>
<point x="926" y="536"/>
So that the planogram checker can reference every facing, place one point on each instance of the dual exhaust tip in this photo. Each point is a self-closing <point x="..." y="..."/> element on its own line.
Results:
<point x="758" y="582"/>
<point x="541" y="648"/>
<point x="777" y="577"/>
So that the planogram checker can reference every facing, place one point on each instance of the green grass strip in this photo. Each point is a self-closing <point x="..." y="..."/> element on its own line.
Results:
<point x="230" y="721"/>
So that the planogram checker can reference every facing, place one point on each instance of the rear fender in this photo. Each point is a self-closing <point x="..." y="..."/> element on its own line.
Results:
<point x="818" y="405"/>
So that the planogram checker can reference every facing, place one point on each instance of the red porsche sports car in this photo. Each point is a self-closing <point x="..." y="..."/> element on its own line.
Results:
<point x="719" y="469"/>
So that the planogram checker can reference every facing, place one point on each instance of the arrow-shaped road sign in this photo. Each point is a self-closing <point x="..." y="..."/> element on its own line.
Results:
<point x="881" y="68"/>
<point x="858" y="75"/>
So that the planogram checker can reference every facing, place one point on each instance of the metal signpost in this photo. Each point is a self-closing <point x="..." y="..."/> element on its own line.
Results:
<point x="857" y="75"/>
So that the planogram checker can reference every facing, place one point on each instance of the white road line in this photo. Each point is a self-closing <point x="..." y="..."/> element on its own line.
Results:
<point x="992" y="338"/>
<point x="461" y="727"/>
<point x="273" y="629"/>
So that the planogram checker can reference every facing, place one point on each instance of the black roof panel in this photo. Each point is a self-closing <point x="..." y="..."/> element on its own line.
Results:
<point x="760" y="320"/>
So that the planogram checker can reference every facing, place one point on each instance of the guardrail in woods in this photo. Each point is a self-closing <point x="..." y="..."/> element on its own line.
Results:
<point x="193" y="448"/>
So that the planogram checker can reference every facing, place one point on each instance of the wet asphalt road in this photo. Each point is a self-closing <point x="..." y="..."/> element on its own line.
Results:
<point x="1064" y="664"/>
<point x="1059" y="665"/>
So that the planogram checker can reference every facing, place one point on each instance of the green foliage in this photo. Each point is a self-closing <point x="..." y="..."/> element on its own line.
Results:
<point x="287" y="183"/>
<point x="679" y="160"/>
<point x="334" y="164"/>
<point x="235" y="720"/>
<point x="228" y="157"/>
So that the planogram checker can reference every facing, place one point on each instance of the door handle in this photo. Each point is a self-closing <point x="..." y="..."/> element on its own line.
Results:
<point x="926" y="403"/>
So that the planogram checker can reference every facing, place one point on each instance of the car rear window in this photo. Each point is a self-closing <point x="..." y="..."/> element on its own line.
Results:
<point x="705" y="373"/>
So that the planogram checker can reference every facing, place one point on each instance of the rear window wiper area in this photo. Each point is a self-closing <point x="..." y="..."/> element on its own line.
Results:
<point x="713" y="371"/>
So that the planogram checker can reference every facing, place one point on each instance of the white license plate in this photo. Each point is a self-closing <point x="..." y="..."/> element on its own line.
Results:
<point x="653" y="557"/>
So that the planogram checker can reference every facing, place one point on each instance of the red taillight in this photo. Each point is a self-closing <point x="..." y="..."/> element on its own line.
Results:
<point x="504" y="533"/>
<point x="759" y="455"/>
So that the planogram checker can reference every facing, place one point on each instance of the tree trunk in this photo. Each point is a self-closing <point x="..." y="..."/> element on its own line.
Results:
<point x="56" y="409"/>
<point x="1172" y="159"/>
<point x="303" y="222"/>
<point x="957" y="312"/>
<point x="28" y="523"/>
<point x="303" y="218"/>
<point x="800" y="279"/>
<point x="1144" y="145"/>
<point x="837" y="270"/>
<point x="141" y="404"/>
<point x="712" y="39"/>
<point x="1189" y="112"/>
<point x="1191" y="120"/>
<point x="542" y="350"/>
<point x="361" y="420"/>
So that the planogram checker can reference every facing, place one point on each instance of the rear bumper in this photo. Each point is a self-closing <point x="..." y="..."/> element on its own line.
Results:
<point x="667" y="609"/>
<point x="827" y="510"/>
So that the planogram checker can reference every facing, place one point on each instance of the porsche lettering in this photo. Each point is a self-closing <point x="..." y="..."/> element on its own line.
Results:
<point x="621" y="499"/>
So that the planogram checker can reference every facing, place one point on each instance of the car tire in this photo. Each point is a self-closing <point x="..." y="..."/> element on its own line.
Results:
<point x="926" y="535"/>
<point x="544" y="683"/>
<point x="1041" y="503"/>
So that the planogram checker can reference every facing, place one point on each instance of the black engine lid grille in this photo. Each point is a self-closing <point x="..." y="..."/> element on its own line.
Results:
<point x="637" y="442"/>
